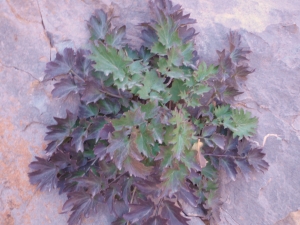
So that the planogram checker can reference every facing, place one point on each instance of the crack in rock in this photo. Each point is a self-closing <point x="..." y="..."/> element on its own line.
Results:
<point x="47" y="34"/>
<point x="16" y="68"/>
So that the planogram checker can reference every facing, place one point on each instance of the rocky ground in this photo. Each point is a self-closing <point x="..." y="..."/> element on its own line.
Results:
<point x="32" y="31"/>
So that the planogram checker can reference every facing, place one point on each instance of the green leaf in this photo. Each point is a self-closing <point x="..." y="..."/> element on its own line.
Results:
<point x="244" y="124"/>
<point x="151" y="83"/>
<point x="209" y="172"/>
<point x="157" y="129"/>
<point x="173" y="179"/>
<point x="174" y="57"/>
<point x="203" y="72"/>
<point x="129" y="119"/>
<point x="159" y="49"/>
<point x="177" y="87"/>
<point x="200" y="89"/>
<point x="150" y="109"/>
<point x="182" y="135"/>
<point x="167" y="33"/>
<point x="143" y="139"/>
<point x="109" y="60"/>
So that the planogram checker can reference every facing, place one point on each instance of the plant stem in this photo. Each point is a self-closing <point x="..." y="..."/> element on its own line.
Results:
<point x="170" y="81"/>
<point x="110" y="94"/>
<point x="157" y="207"/>
<point x="116" y="178"/>
<point x="94" y="161"/>
<point x="73" y="72"/>
<point x="131" y="200"/>
<point x="228" y="156"/>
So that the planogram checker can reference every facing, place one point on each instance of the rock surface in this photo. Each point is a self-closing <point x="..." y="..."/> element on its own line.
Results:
<point x="32" y="31"/>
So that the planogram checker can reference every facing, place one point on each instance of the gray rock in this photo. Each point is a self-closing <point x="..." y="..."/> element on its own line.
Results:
<point x="31" y="32"/>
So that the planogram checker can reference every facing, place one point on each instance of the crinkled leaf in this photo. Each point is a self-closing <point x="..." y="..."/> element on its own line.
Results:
<point x="61" y="65"/>
<point x="44" y="174"/>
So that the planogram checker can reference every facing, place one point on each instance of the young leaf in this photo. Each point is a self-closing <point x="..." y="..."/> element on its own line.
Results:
<point x="99" y="25"/>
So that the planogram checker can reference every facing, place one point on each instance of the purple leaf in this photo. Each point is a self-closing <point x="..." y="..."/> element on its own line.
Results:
<point x="136" y="168"/>
<point x="78" y="137"/>
<point x="172" y="213"/>
<point x="83" y="65"/>
<point x="92" y="92"/>
<point x="61" y="159"/>
<point x="64" y="87"/>
<point x="219" y="140"/>
<point x="208" y="130"/>
<point x="229" y="165"/>
<point x="245" y="167"/>
<point x="100" y="150"/>
<point x="96" y="126"/>
<point x="61" y="65"/>
<point x="140" y="212"/>
<point x="93" y="183"/>
<point x="243" y="147"/>
<point x="44" y="174"/>
<point x="106" y="130"/>
<point x="255" y="158"/>
<point x="86" y="111"/>
<point x="82" y="204"/>
<point x="62" y="129"/>
<point x="157" y="220"/>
